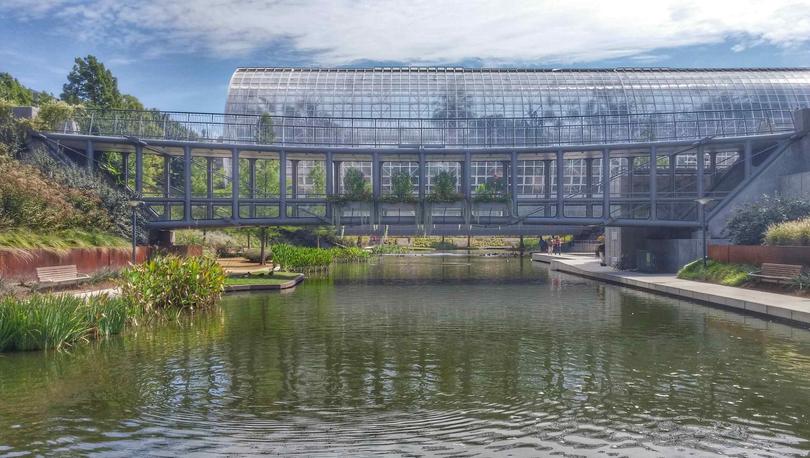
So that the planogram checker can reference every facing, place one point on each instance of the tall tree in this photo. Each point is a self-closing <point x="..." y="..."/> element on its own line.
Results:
<point x="16" y="93"/>
<point x="91" y="83"/>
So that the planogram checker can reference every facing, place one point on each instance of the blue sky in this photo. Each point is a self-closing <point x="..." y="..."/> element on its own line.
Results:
<point x="179" y="55"/>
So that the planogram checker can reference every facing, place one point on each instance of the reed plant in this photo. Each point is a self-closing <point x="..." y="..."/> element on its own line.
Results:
<point x="58" y="321"/>
<point x="789" y="233"/>
<point x="167" y="285"/>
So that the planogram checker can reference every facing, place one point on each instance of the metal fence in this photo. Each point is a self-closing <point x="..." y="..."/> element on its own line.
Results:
<point x="451" y="133"/>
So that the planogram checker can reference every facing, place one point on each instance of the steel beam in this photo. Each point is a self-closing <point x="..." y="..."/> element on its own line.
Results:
<point x="421" y="175"/>
<point x="282" y="198"/>
<point x="513" y="189"/>
<point x="235" y="184"/>
<point x="653" y="182"/>
<point x="376" y="176"/>
<point x="187" y="185"/>
<point x="209" y="185"/>
<point x="139" y="170"/>
<point x="125" y="167"/>
<point x="91" y="156"/>
<point x="560" y="184"/>
<point x="606" y="181"/>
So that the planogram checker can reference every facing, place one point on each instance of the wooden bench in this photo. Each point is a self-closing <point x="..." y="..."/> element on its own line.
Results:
<point x="59" y="275"/>
<point x="777" y="273"/>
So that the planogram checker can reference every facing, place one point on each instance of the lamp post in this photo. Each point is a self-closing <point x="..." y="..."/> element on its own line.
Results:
<point x="702" y="202"/>
<point x="133" y="205"/>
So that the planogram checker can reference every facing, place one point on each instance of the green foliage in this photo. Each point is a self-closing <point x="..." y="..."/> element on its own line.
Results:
<point x="444" y="188"/>
<point x="489" y="242"/>
<point x="401" y="188"/>
<point x="60" y="239"/>
<point x="13" y="132"/>
<point x="802" y="282"/>
<point x="58" y="321"/>
<point x="54" y="114"/>
<point x="791" y="233"/>
<point x="748" y="224"/>
<point x="716" y="272"/>
<point x="317" y="175"/>
<point x="355" y="185"/>
<point x="299" y="259"/>
<point x="16" y="94"/>
<point x="264" y="130"/>
<point x="388" y="248"/>
<point x="493" y="190"/>
<point x="350" y="254"/>
<point x="91" y="83"/>
<point x="173" y="284"/>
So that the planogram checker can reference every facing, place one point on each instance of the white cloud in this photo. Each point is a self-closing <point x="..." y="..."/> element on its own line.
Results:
<point x="335" y="32"/>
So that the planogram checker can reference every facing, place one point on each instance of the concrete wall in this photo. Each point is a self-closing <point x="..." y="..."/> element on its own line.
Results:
<point x="796" y="185"/>
<point x="671" y="248"/>
<point x="795" y="159"/>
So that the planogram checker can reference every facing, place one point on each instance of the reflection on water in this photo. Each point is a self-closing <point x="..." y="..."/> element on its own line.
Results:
<point x="424" y="355"/>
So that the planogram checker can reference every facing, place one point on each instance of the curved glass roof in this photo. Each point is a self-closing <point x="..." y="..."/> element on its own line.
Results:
<point x="475" y="93"/>
<point x="561" y="97"/>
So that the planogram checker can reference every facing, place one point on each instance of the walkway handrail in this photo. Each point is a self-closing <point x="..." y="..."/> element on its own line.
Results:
<point x="268" y="129"/>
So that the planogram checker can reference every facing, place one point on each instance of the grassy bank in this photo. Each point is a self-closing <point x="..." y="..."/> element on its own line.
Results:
<point x="276" y="278"/>
<point x="163" y="288"/>
<point x="716" y="272"/>
<point x="59" y="240"/>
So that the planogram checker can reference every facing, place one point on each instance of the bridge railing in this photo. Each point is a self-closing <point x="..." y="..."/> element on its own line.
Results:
<point x="440" y="132"/>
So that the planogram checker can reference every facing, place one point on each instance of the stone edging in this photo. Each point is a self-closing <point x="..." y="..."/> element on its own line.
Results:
<point x="801" y="318"/>
<point x="286" y="285"/>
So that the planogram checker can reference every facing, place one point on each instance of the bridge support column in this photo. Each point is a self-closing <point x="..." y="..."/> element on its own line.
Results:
<point x="589" y="186"/>
<point x="560" y="184"/>
<point x="252" y="185"/>
<point x="421" y="176"/>
<point x="701" y="165"/>
<point x="606" y="180"/>
<point x="338" y="179"/>
<point x="466" y="179"/>
<point x="139" y="170"/>
<point x="653" y="182"/>
<point x="330" y="182"/>
<point x="125" y="168"/>
<point x="748" y="158"/>
<point x="209" y="187"/>
<point x="167" y="185"/>
<point x="282" y="198"/>
<point x="631" y="162"/>
<point x="91" y="156"/>
<point x="547" y="186"/>
<point x="513" y="180"/>
<point x="235" y="184"/>
<point x="187" y="185"/>
<point x="294" y="185"/>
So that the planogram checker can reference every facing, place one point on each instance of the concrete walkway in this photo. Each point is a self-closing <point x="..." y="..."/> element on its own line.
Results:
<point x="780" y="306"/>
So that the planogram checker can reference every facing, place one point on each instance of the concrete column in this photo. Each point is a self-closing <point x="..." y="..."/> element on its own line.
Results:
<point x="138" y="170"/>
<point x="91" y="156"/>
<point x="187" y="185"/>
<point x="605" y="184"/>
<point x="235" y="184"/>
<point x="282" y="205"/>
<point x="653" y="181"/>
<point x="560" y="187"/>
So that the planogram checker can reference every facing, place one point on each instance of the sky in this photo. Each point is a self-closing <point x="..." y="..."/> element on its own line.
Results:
<point x="180" y="54"/>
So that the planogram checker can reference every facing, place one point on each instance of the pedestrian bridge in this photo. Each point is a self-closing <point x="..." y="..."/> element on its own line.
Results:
<point x="506" y="176"/>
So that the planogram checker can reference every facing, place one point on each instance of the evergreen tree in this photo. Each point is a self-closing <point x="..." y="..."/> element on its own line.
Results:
<point x="92" y="84"/>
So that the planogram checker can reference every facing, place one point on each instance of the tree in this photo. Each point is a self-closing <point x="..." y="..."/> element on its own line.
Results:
<point x="92" y="84"/>
<point x="264" y="130"/>
<point x="14" y="92"/>
<point x="317" y="175"/>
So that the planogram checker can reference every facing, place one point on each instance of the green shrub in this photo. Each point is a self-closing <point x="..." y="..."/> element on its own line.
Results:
<point x="355" y="185"/>
<point x="255" y="255"/>
<point x="791" y="233"/>
<point x="298" y="259"/>
<point x="173" y="284"/>
<point x="716" y="272"/>
<point x="444" y="188"/>
<point x="350" y="254"/>
<point x="748" y="224"/>
<point x="401" y="188"/>
<point x="58" y="321"/>
<point x="802" y="282"/>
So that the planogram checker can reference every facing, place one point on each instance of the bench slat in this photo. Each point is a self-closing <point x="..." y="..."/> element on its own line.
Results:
<point x="55" y="275"/>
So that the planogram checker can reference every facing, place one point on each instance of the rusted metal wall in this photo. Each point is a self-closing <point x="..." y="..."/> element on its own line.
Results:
<point x="756" y="255"/>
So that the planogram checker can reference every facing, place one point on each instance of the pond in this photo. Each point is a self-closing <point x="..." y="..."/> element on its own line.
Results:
<point x="424" y="355"/>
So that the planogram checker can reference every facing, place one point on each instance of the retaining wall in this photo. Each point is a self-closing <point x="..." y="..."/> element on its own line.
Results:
<point x="757" y="254"/>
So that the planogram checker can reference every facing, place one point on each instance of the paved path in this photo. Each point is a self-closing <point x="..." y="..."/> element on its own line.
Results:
<point x="782" y="306"/>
